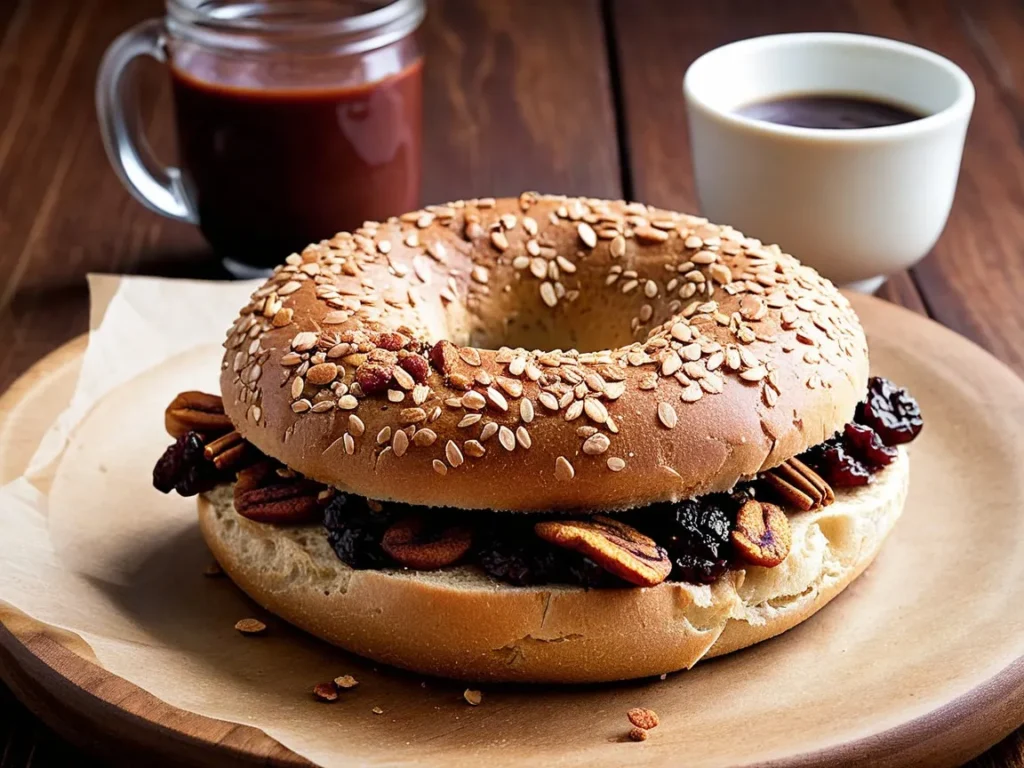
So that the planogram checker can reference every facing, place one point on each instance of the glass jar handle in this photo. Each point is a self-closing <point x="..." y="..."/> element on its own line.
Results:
<point x="156" y="186"/>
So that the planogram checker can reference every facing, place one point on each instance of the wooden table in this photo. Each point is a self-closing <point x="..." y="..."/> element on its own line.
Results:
<point x="573" y="96"/>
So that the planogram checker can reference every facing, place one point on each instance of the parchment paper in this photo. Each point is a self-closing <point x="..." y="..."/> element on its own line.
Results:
<point x="89" y="546"/>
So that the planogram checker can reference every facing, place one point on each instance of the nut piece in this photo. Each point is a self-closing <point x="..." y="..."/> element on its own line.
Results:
<point x="261" y="494"/>
<point x="374" y="376"/>
<point x="250" y="626"/>
<point x="345" y="682"/>
<point x="414" y="544"/>
<point x="325" y="691"/>
<point x="794" y="483"/>
<point x="473" y="698"/>
<point x="643" y="718"/>
<point x="761" y="536"/>
<point x="618" y="548"/>
<point x="196" y="412"/>
<point x="637" y="734"/>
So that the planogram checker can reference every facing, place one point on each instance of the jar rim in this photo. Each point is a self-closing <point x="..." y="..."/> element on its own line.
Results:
<point x="388" y="23"/>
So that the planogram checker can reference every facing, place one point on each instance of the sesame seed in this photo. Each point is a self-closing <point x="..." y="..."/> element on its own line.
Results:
<point x="691" y="393"/>
<point x="547" y="294"/>
<point x="507" y="438"/>
<point x="526" y="411"/>
<point x="596" y="444"/>
<point x="470" y="356"/>
<point x="671" y="363"/>
<point x="499" y="240"/>
<point x="469" y="420"/>
<point x="574" y="411"/>
<point x="297" y="386"/>
<point x="384" y="436"/>
<point x="473" y="449"/>
<point x="473" y="400"/>
<point x="439" y="467"/>
<point x="564" y="470"/>
<point x="617" y="247"/>
<point x="301" y="406"/>
<point x="424" y="437"/>
<point x="667" y="415"/>
<point x="348" y="403"/>
<point x="350" y="443"/>
<point x="403" y="378"/>
<point x="523" y="437"/>
<point x="355" y="425"/>
<point x="496" y="399"/>
<point x="490" y="430"/>
<point x="453" y="454"/>
<point x="395" y="396"/>
<point x="754" y="374"/>
<point x="615" y="464"/>
<point x="595" y="410"/>
<point x="400" y="443"/>
<point x="587" y="234"/>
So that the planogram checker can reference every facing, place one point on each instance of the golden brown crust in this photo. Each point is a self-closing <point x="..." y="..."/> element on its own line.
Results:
<point x="459" y="623"/>
<point x="733" y="357"/>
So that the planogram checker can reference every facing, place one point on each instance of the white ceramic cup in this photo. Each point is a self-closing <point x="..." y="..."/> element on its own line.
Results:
<point x="856" y="204"/>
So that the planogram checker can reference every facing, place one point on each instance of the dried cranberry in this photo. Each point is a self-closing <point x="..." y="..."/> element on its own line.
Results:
<point x="184" y="468"/>
<point x="354" y="531"/>
<point x="695" y="533"/>
<point x="374" y="377"/>
<point x="865" y="444"/>
<point x="416" y="366"/>
<point x="891" y="411"/>
<point x="838" y="467"/>
<point x="444" y="356"/>
<point x="390" y="341"/>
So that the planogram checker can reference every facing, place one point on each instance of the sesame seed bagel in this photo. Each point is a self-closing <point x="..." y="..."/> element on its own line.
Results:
<point x="540" y="353"/>
<point x="458" y="622"/>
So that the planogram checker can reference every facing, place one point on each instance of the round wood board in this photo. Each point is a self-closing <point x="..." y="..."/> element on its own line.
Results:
<point x="974" y="407"/>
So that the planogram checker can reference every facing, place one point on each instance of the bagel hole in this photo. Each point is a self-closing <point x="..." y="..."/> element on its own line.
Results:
<point x="584" y="328"/>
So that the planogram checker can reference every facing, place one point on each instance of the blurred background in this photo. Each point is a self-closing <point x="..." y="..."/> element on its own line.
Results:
<point x="563" y="96"/>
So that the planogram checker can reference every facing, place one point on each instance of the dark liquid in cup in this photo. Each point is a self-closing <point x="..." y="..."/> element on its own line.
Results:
<point x="833" y="111"/>
<point x="273" y="169"/>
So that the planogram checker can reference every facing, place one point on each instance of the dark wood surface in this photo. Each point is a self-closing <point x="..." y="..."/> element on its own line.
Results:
<point x="575" y="96"/>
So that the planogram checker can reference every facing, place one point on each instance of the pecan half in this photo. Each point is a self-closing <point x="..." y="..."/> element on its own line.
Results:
<point x="795" y="484"/>
<point x="762" y="535"/>
<point x="261" y="494"/>
<point x="196" y="412"/>
<point x="415" y="544"/>
<point x="618" y="548"/>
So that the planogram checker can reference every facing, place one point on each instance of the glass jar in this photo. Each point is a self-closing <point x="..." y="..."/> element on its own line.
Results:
<point x="295" y="119"/>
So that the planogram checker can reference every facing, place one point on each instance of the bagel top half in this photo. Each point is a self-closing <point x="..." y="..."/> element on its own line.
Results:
<point x="594" y="355"/>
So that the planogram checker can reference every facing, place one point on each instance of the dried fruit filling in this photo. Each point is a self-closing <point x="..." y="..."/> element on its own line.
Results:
<point x="695" y="540"/>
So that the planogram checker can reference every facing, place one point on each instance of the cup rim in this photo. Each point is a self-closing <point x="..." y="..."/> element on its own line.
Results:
<point x="963" y="103"/>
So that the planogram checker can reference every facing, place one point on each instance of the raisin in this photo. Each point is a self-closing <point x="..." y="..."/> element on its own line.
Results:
<point x="511" y="552"/>
<point x="184" y="469"/>
<point x="374" y="377"/>
<point x="891" y="411"/>
<point x="865" y="444"/>
<point x="695" y="533"/>
<point x="837" y="466"/>
<point x="416" y="366"/>
<point x="354" y="531"/>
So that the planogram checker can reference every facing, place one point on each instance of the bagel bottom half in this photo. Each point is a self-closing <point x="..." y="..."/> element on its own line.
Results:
<point x="460" y="623"/>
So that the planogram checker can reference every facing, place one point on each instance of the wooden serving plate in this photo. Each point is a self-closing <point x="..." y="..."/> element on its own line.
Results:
<point x="933" y="696"/>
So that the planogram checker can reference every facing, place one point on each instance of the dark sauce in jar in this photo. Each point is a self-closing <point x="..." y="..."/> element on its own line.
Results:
<point x="829" y="111"/>
<point x="272" y="168"/>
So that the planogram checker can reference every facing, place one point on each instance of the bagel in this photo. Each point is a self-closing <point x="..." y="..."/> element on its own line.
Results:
<point x="459" y="623"/>
<point x="565" y="354"/>
<point x="544" y="439"/>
